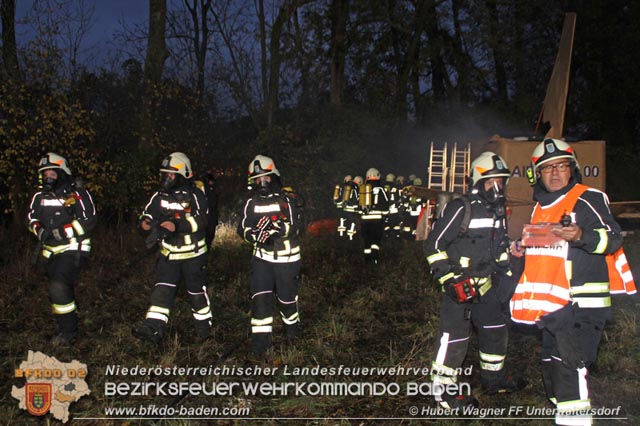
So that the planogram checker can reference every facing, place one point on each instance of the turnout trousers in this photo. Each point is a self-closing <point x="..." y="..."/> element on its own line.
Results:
<point x="168" y="275"/>
<point x="567" y="387"/>
<point x="456" y="320"/>
<point x="63" y="270"/>
<point x="268" y="280"/>
<point x="372" y="233"/>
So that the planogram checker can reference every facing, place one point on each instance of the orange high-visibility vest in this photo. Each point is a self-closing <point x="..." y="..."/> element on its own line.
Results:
<point x="534" y="299"/>
<point x="544" y="284"/>
<point x="620" y="277"/>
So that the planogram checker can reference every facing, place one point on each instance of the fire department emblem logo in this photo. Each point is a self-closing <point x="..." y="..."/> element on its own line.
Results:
<point x="38" y="398"/>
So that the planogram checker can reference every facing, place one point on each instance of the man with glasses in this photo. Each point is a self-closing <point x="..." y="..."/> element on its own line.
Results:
<point x="564" y="288"/>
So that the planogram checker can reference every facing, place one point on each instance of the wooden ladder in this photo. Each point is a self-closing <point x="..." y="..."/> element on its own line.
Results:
<point x="460" y="169"/>
<point x="437" y="170"/>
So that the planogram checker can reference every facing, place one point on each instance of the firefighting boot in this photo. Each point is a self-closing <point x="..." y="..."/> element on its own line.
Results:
<point x="293" y="333"/>
<point x="494" y="383"/>
<point x="63" y="340"/>
<point x="451" y="402"/>
<point x="203" y="332"/>
<point x="148" y="332"/>
<point x="260" y="343"/>
<point x="67" y="329"/>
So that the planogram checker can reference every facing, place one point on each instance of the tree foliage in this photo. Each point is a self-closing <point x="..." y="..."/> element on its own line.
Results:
<point x="35" y="120"/>
<point x="244" y="77"/>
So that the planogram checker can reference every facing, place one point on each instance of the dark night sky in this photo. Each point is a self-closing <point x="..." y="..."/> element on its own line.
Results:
<point x="108" y="18"/>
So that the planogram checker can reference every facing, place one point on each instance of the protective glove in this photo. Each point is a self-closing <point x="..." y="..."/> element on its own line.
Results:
<point x="63" y="232"/>
<point x="58" y="234"/>
<point x="262" y="231"/>
<point x="561" y="325"/>
<point x="42" y="234"/>
<point x="441" y="268"/>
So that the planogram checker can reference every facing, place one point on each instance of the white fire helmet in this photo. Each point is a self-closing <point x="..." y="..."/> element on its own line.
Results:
<point x="262" y="165"/>
<point x="372" y="174"/>
<point x="178" y="163"/>
<point x="551" y="149"/>
<point x="488" y="165"/>
<point x="52" y="160"/>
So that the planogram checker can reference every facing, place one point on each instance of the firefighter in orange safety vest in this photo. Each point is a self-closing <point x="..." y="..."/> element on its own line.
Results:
<point x="62" y="215"/>
<point x="269" y="222"/>
<point x="175" y="218"/>
<point x="564" y="288"/>
<point x="464" y="261"/>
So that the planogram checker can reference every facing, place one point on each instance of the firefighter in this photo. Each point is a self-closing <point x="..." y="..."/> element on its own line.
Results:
<point x="339" y="193"/>
<point x="393" y="219"/>
<point x="374" y="207"/>
<point x="62" y="216"/>
<point x="175" y="218"/>
<point x="469" y="243"/>
<point x="269" y="223"/>
<point x="351" y="206"/>
<point x="212" y="205"/>
<point x="400" y="203"/>
<point x="564" y="288"/>
<point x="414" y="205"/>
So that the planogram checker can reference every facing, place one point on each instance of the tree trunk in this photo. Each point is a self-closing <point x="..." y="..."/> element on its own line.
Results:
<point x="263" y="50"/>
<point x="275" y="56"/>
<point x="339" y="14"/>
<point x="198" y="12"/>
<point x="411" y="61"/>
<point x="154" y="63"/>
<point x="496" y="42"/>
<point x="11" y="66"/>
<point x="436" y="48"/>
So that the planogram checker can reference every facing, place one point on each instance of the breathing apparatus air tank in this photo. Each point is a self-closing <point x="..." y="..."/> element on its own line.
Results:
<point x="366" y="196"/>
<point x="346" y="192"/>
<point x="336" y="193"/>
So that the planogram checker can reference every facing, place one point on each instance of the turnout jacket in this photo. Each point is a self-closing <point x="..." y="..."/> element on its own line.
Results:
<point x="379" y="207"/>
<point x="476" y="253"/>
<point x="282" y="228"/>
<point x="350" y="192"/>
<point x="568" y="272"/>
<point x="186" y="207"/>
<point x="68" y="216"/>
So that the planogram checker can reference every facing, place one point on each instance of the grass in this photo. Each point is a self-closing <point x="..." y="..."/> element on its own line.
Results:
<point x="352" y="317"/>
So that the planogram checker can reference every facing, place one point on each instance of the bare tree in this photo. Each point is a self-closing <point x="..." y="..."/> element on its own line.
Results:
<point x="76" y="19"/>
<point x="285" y="12"/>
<point x="61" y="28"/>
<point x="192" y="29"/>
<point x="339" y="16"/>
<point x="232" y="26"/>
<point x="10" y="65"/>
<point x="497" y="43"/>
<point x="154" y="63"/>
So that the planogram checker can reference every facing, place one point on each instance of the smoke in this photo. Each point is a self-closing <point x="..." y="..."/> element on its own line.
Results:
<point x="404" y="149"/>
